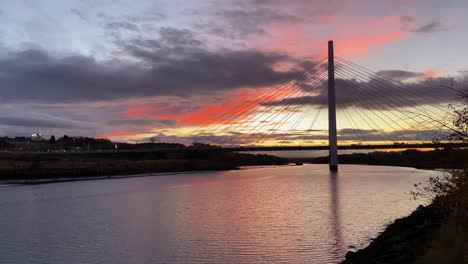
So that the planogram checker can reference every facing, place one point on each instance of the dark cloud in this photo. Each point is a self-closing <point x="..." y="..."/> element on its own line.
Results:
<point x="37" y="122"/>
<point x="377" y="93"/>
<point x="177" y="37"/>
<point x="302" y="100"/>
<point x="431" y="27"/>
<point x="400" y="75"/>
<point x="175" y="64"/>
<point x="142" y="122"/>
<point x="435" y="25"/>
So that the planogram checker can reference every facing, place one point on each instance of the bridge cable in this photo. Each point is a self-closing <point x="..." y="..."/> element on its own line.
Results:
<point x="351" y="85"/>
<point x="302" y="101"/>
<point x="233" y="124"/>
<point x="376" y="87"/>
<point x="242" y="109"/>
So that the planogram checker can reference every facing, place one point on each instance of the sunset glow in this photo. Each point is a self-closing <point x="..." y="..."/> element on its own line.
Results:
<point x="155" y="71"/>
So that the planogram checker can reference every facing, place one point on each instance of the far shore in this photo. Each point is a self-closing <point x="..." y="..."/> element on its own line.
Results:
<point x="114" y="177"/>
<point x="434" y="159"/>
<point x="39" y="169"/>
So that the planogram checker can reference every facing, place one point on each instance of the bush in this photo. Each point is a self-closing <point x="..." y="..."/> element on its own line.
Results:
<point x="449" y="192"/>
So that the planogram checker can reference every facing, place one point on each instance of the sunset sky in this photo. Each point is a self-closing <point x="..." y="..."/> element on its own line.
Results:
<point x="129" y="70"/>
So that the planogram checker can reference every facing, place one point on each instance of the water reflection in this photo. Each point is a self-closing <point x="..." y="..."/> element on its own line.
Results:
<point x="335" y="220"/>
<point x="293" y="214"/>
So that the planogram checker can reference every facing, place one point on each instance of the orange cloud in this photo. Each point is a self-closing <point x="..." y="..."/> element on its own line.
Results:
<point x="431" y="73"/>
<point x="353" y="37"/>
<point x="243" y="103"/>
<point x="362" y="45"/>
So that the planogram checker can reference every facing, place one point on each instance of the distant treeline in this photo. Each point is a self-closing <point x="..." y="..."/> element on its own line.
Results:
<point x="67" y="143"/>
<point x="436" y="159"/>
<point x="31" y="166"/>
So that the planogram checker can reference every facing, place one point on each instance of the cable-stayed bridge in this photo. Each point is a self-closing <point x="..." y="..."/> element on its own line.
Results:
<point x="336" y="104"/>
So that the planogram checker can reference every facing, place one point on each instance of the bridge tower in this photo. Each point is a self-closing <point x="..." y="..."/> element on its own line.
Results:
<point x="332" y="134"/>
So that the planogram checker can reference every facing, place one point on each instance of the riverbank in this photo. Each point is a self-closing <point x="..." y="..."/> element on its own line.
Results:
<point x="435" y="159"/>
<point x="425" y="236"/>
<point x="45" y="167"/>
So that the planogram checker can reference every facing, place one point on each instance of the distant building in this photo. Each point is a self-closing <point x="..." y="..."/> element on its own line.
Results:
<point x="37" y="137"/>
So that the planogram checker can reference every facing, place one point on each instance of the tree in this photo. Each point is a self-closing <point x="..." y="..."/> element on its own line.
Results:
<point x="460" y="121"/>
<point x="450" y="191"/>
<point x="52" y="140"/>
<point x="4" y="143"/>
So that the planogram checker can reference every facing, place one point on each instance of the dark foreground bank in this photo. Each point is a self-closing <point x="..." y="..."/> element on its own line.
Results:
<point x="435" y="159"/>
<point x="31" y="167"/>
<point x="426" y="236"/>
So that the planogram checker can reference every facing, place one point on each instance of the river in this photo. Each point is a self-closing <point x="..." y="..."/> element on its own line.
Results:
<point x="288" y="214"/>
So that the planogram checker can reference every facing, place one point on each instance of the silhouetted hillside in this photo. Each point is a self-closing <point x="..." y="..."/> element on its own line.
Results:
<point x="445" y="158"/>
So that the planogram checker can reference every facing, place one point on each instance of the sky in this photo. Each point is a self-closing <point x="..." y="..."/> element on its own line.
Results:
<point x="135" y="70"/>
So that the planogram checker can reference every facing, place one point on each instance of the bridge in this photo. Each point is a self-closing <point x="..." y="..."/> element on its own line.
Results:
<point x="365" y="110"/>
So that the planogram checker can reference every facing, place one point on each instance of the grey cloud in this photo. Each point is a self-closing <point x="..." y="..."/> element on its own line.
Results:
<point x="345" y="134"/>
<point x="431" y="27"/>
<point x="118" y="25"/>
<point x="78" y="13"/>
<point x="237" y="23"/>
<point x="166" y="67"/>
<point x="394" y="136"/>
<point x="347" y="131"/>
<point x="149" y="16"/>
<point x="174" y="36"/>
<point x="377" y="93"/>
<point x="292" y="101"/>
<point x="435" y="25"/>
<point x="400" y="74"/>
<point x="129" y="22"/>
<point x="142" y="122"/>
<point x="37" y="122"/>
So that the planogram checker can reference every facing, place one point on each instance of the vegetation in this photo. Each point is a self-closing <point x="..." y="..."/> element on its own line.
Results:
<point x="436" y="233"/>
<point x="76" y="144"/>
<point x="71" y="157"/>
<point x="450" y="191"/>
<point x="36" y="166"/>
<point x="461" y="119"/>
<point x="436" y="159"/>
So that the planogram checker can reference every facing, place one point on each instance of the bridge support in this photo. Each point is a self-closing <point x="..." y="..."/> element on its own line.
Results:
<point x="332" y="134"/>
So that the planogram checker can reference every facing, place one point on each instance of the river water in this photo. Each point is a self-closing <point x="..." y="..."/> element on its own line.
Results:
<point x="289" y="214"/>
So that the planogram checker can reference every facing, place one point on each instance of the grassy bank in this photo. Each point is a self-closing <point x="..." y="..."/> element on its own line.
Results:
<point x="27" y="166"/>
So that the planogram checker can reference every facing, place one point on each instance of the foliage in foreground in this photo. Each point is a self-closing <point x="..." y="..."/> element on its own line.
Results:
<point x="449" y="192"/>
